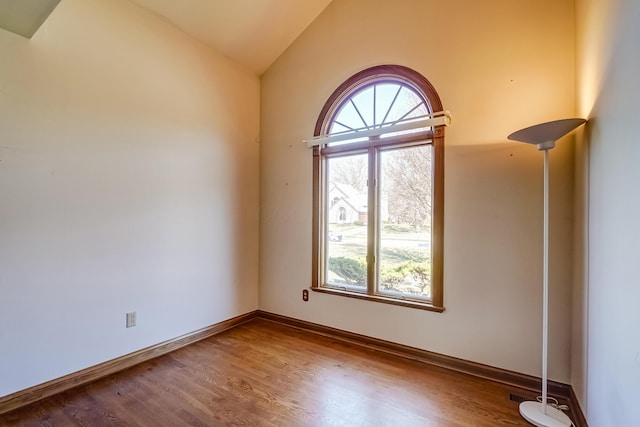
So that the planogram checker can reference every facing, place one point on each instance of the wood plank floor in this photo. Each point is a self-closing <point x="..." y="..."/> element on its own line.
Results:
<point x="263" y="373"/>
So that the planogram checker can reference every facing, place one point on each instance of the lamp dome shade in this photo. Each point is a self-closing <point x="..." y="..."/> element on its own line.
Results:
<point x="546" y="132"/>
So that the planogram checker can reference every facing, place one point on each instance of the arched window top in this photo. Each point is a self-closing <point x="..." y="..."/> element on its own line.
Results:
<point x="376" y="98"/>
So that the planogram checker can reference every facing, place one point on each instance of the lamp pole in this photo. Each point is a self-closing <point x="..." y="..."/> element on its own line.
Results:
<point x="545" y="282"/>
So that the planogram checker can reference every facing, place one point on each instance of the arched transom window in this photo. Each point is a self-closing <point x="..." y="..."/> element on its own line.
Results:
<point x="380" y="152"/>
<point x="381" y="104"/>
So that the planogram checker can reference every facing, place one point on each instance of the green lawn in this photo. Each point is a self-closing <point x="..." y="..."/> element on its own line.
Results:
<point x="400" y="264"/>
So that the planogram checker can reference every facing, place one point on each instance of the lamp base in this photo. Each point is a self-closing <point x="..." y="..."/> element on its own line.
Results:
<point x="533" y="412"/>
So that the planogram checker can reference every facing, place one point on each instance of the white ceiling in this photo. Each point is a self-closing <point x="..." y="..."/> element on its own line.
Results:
<point x="24" y="17"/>
<point x="251" y="32"/>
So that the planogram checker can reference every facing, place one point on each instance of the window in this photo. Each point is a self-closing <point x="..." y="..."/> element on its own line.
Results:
<point x="380" y="192"/>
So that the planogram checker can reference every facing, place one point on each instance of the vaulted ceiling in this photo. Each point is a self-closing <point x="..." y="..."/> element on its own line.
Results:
<point x="251" y="32"/>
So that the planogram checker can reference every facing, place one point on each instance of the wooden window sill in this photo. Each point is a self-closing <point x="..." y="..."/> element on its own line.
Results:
<point x="380" y="298"/>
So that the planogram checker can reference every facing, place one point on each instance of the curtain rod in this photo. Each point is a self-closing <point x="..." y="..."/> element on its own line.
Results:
<point x="438" y="118"/>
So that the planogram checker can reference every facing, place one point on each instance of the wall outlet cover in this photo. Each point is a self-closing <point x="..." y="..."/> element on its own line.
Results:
<point x="131" y="319"/>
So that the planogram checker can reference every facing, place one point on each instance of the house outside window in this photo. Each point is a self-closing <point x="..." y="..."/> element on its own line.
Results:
<point x="381" y="192"/>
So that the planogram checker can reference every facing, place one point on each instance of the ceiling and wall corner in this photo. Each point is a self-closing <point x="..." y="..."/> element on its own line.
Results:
<point x="252" y="33"/>
<point x="24" y="17"/>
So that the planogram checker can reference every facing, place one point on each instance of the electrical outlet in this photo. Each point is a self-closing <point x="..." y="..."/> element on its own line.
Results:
<point x="131" y="319"/>
<point x="305" y="295"/>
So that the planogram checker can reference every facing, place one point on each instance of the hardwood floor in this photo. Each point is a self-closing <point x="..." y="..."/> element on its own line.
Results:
<point x="263" y="373"/>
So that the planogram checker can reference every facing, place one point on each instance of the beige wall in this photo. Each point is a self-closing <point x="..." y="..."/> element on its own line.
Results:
<point x="128" y="182"/>
<point x="498" y="66"/>
<point x="608" y="59"/>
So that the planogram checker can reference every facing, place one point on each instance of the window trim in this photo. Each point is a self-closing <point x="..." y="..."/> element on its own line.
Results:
<point x="409" y="77"/>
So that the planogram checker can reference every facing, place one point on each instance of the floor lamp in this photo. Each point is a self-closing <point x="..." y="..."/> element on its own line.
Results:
<point x="545" y="135"/>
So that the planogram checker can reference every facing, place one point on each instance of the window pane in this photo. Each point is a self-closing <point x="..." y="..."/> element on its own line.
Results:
<point x="404" y="106"/>
<point x="364" y="104"/>
<point x="348" y="116"/>
<point x="346" y="216"/>
<point x="404" y="252"/>
<point x="337" y="128"/>
<point x="386" y="97"/>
